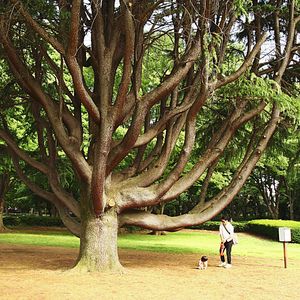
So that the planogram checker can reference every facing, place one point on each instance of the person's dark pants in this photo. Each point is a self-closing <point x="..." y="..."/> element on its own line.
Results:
<point x="228" y="246"/>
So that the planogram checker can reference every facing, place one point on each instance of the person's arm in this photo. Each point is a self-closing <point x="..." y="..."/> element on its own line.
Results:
<point x="221" y="231"/>
<point x="231" y="229"/>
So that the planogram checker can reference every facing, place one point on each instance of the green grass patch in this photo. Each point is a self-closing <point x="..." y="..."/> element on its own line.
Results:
<point x="178" y="242"/>
<point x="40" y="238"/>
<point x="207" y="243"/>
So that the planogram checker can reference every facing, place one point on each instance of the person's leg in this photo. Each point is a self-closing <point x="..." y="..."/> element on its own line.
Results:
<point x="222" y="253"/>
<point x="228" y="246"/>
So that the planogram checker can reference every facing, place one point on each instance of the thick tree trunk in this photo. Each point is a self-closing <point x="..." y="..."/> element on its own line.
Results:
<point x="2" y="227"/>
<point x="98" y="244"/>
<point x="274" y="213"/>
<point x="292" y="216"/>
<point x="290" y="199"/>
<point x="4" y="186"/>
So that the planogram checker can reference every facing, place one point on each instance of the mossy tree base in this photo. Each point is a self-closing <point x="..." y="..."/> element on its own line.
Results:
<point x="98" y="245"/>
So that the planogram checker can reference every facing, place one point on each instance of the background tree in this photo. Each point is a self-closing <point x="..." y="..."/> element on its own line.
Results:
<point x="275" y="176"/>
<point x="6" y="169"/>
<point x="292" y="184"/>
<point x="81" y="66"/>
<point x="5" y="182"/>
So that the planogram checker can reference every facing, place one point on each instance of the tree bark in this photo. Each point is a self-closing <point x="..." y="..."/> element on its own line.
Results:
<point x="2" y="227"/>
<point x="98" y="244"/>
<point x="4" y="186"/>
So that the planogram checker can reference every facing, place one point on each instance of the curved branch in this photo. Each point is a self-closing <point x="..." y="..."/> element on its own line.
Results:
<point x="70" y="57"/>
<point x="190" y="131"/>
<point x="158" y="167"/>
<point x="160" y="125"/>
<point x="17" y="153"/>
<point x="289" y="45"/>
<point x="163" y="222"/>
<point x="214" y="150"/>
<point x="80" y="89"/>
<point x="38" y="29"/>
<point x="74" y="28"/>
<point x="221" y="200"/>
<point x="133" y="197"/>
<point x="120" y="151"/>
<point x="71" y="223"/>
<point x="22" y="154"/>
<point x="70" y="144"/>
<point x="61" y="194"/>
<point x="178" y="73"/>
<point x="248" y="61"/>
<point x="211" y="208"/>
<point x="128" y="53"/>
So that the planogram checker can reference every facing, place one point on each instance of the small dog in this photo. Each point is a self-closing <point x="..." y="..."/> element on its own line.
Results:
<point x="203" y="263"/>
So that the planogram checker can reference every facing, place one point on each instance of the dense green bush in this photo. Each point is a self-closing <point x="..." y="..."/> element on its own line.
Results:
<point x="265" y="228"/>
<point x="241" y="226"/>
<point x="31" y="220"/>
<point x="209" y="225"/>
<point x="11" y="220"/>
<point x="269" y="228"/>
<point x="214" y="225"/>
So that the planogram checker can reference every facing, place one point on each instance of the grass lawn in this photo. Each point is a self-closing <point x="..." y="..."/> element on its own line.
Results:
<point x="206" y="242"/>
<point x="202" y="242"/>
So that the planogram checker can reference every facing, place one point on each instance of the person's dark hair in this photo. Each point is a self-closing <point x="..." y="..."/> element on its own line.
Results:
<point x="204" y="258"/>
<point x="225" y="218"/>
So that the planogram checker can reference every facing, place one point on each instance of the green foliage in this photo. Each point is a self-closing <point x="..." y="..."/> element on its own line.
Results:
<point x="256" y="88"/>
<point x="241" y="7"/>
<point x="157" y="63"/>
<point x="252" y="87"/>
<point x="221" y="179"/>
<point x="209" y="225"/>
<point x="269" y="228"/>
<point x="11" y="220"/>
<point x="241" y="226"/>
<point x="266" y="228"/>
<point x="248" y="204"/>
<point x="32" y="220"/>
<point x="214" y="225"/>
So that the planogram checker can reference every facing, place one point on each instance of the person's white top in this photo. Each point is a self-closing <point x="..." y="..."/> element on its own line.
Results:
<point x="226" y="236"/>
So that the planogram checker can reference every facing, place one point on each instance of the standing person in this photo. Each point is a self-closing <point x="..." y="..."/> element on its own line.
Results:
<point x="226" y="231"/>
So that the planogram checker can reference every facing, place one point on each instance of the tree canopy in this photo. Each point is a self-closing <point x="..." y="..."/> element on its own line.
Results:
<point x="139" y="100"/>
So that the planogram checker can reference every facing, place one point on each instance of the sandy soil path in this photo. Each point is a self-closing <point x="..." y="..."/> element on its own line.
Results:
<point x="40" y="273"/>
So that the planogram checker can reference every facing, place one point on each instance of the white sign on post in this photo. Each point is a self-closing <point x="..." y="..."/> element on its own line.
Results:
<point x="284" y="234"/>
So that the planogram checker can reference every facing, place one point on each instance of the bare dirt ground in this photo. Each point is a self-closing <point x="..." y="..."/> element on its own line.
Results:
<point x="28" y="272"/>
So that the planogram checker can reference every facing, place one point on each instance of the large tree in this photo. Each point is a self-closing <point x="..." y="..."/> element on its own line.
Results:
<point x="5" y="181"/>
<point x="129" y="131"/>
